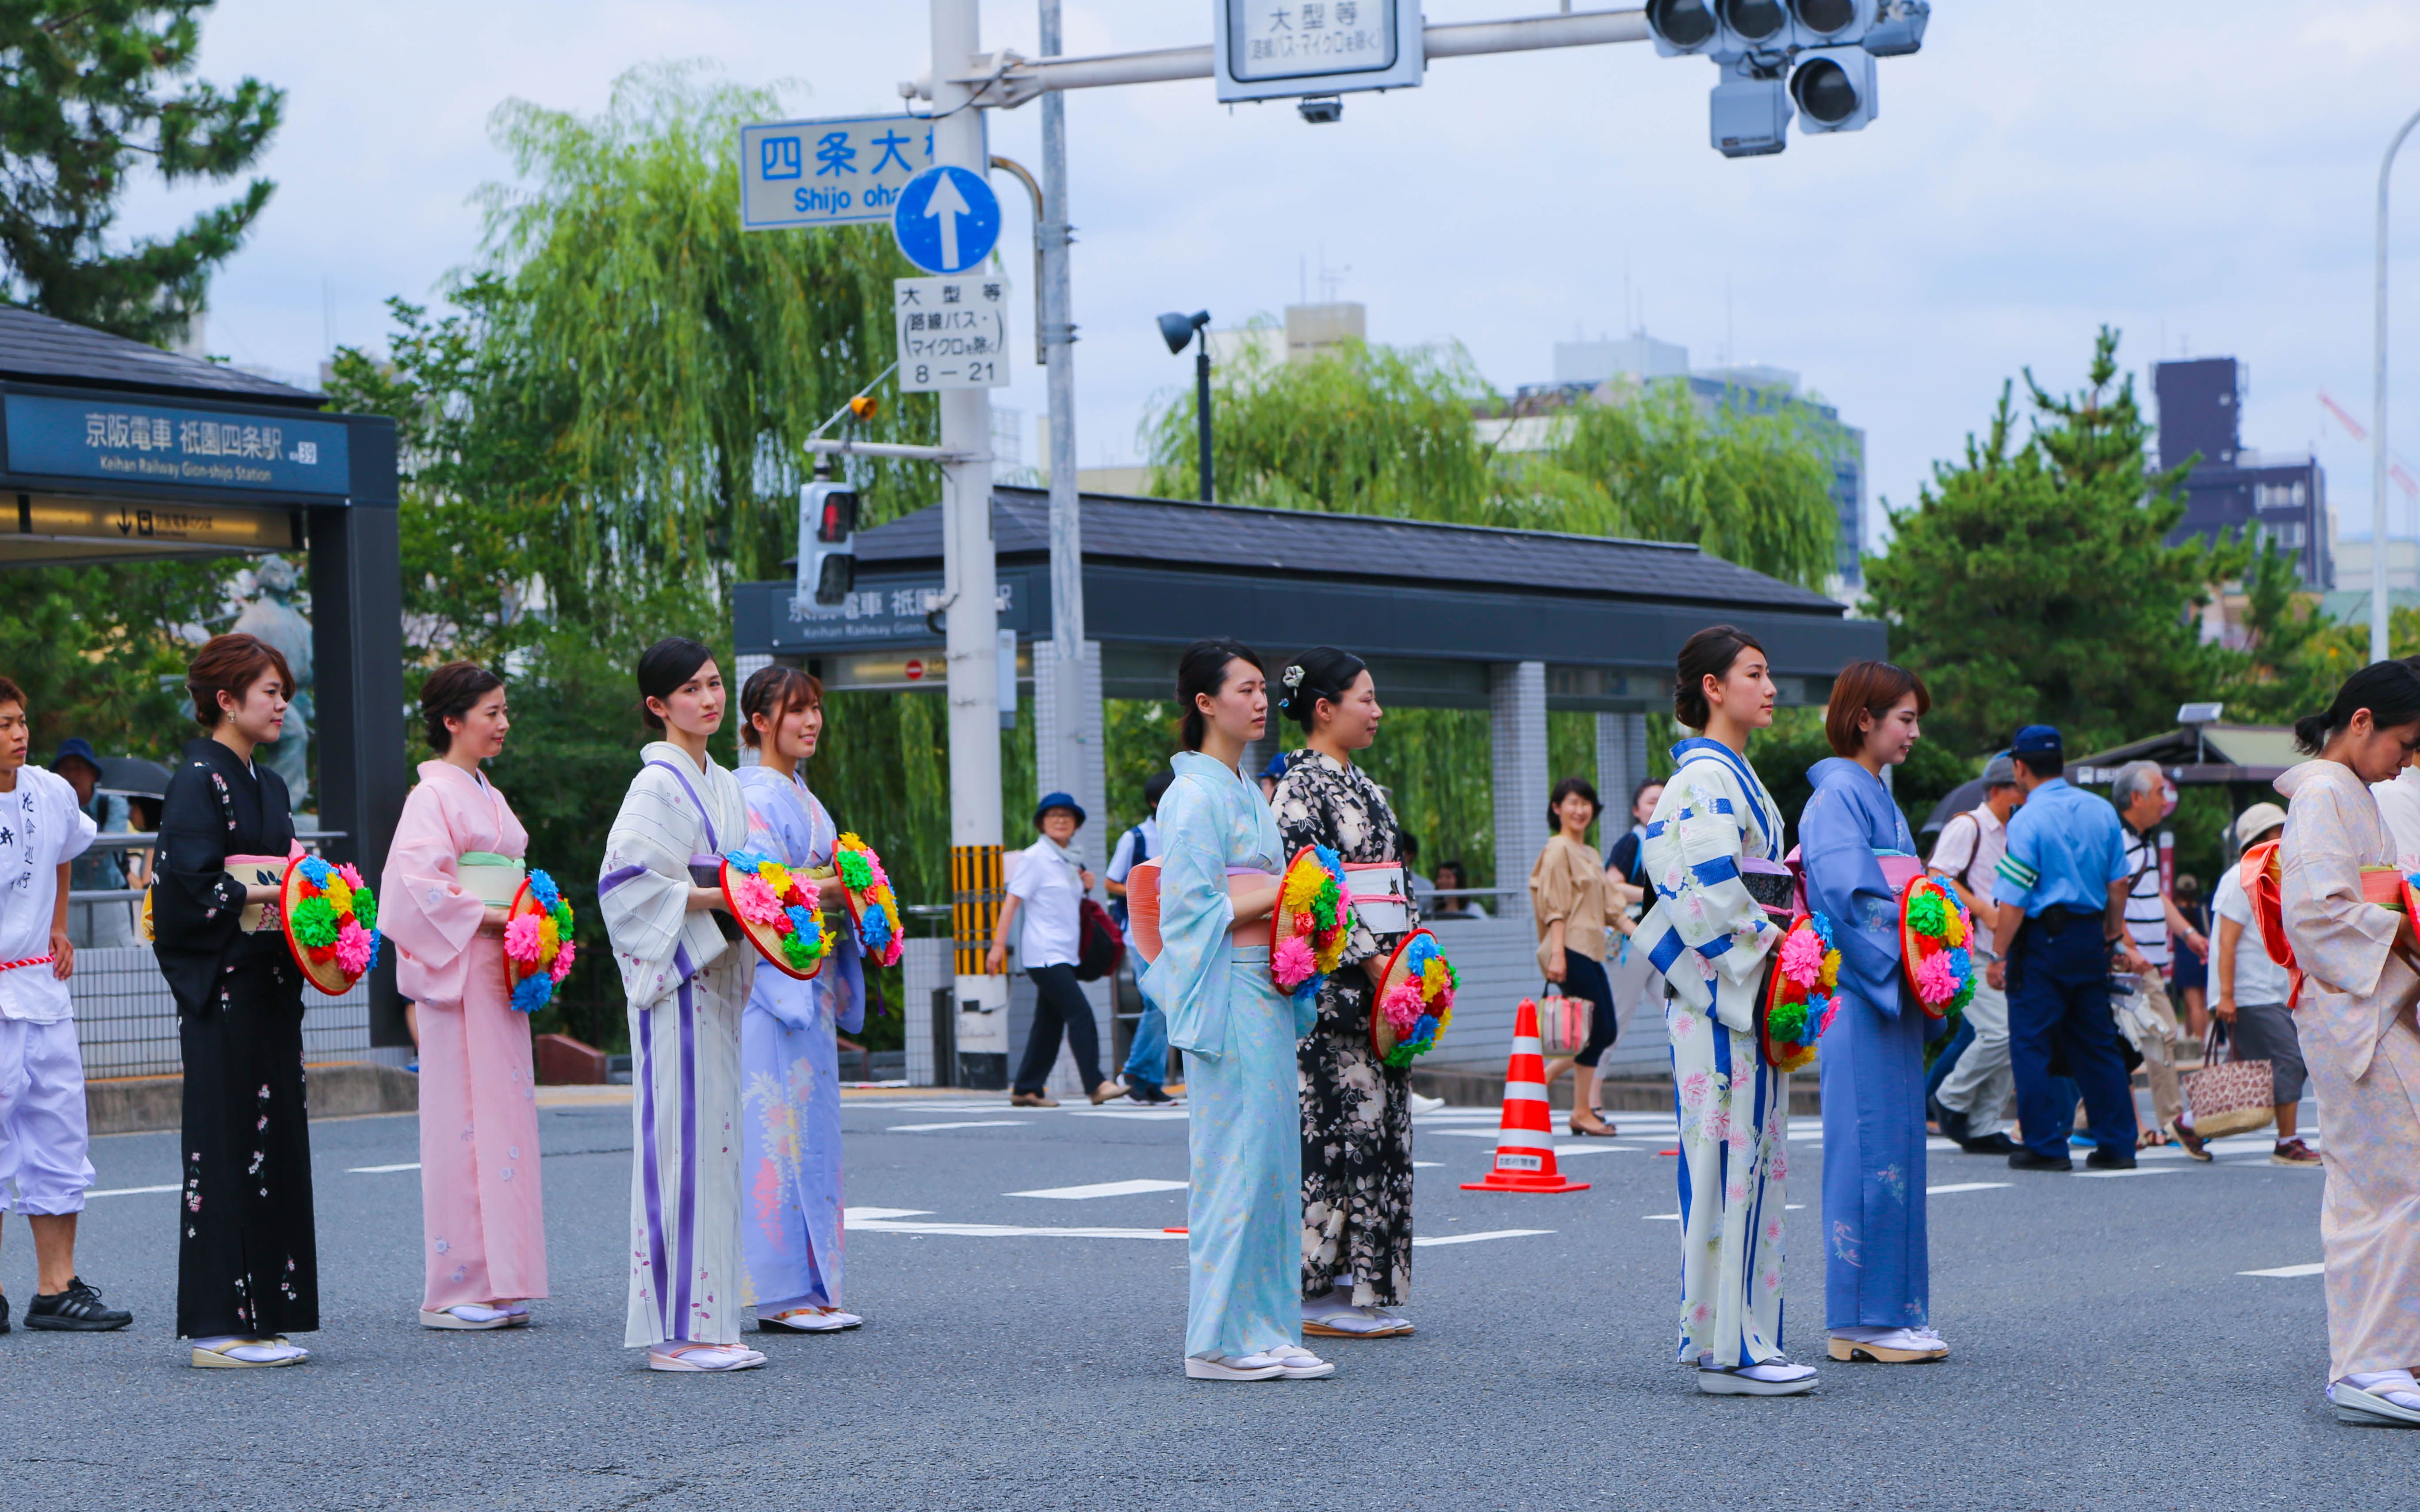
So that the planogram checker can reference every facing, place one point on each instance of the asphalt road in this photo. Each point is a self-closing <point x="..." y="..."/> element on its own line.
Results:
<point x="2109" y="1352"/>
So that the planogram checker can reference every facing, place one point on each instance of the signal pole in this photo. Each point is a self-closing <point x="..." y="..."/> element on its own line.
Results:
<point x="969" y="589"/>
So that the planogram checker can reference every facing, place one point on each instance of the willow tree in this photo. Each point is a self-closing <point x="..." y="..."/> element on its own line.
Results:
<point x="687" y="359"/>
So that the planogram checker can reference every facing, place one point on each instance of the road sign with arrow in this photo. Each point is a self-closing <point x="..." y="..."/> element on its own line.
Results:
<point x="947" y="220"/>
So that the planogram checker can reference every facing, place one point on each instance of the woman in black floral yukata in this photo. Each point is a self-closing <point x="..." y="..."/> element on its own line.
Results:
<point x="1356" y="1114"/>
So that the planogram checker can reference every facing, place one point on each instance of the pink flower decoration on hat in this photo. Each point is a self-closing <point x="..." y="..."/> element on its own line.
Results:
<point x="755" y="902"/>
<point x="352" y="878"/>
<point x="1402" y="1007"/>
<point x="1802" y="957"/>
<point x="353" y="949"/>
<point x="562" y="967"/>
<point x="522" y="938"/>
<point x="1936" y="982"/>
<point x="1291" y="963"/>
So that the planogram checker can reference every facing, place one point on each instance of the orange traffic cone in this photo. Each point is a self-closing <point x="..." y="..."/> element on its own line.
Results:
<point x="1525" y="1141"/>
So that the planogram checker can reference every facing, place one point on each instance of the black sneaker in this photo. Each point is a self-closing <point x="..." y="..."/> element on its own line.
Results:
<point x="1145" y="1092"/>
<point x="2025" y="1160"/>
<point x="2101" y="1160"/>
<point x="1951" y="1123"/>
<point x="76" y="1310"/>
<point x="1995" y="1143"/>
<point x="3" y="1312"/>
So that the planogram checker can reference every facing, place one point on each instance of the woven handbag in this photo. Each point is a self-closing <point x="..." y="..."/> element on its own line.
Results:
<point x="2227" y="1097"/>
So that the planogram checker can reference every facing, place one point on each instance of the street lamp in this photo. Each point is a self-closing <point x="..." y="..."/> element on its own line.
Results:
<point x="2378" y="605"/>
<point x="1177" y="330"/>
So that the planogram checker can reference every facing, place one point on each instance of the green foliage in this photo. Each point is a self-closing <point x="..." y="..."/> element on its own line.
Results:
<point x="2029" y="584"/>
<point x="1434" y="764"/>
<point x="692" y="358"/>
<point x="1374" y="430"/>
<point x="91" y="645"/>
<point x="85" y="88"/>
<point x="2295" y="658"/>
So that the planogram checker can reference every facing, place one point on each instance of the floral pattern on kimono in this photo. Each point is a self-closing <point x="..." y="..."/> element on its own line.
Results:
<point x="1356" y="1110"/>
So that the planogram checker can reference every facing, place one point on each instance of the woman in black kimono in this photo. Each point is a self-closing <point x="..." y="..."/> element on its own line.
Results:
<point x="1357" y="1113"/>
<point x="247" y="1264"/>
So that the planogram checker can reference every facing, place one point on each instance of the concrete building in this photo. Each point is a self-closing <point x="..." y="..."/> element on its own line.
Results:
<point x="1309" y="331"/>
<point x="2275" y="496"/>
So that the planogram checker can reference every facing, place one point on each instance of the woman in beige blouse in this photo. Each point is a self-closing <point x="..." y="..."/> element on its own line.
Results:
<point x="1573" y="906"/>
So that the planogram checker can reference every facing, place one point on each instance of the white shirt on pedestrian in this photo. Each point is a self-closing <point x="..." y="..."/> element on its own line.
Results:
<point x="40" y="827"/>
<point x="1047" y="889"/>
<point x="2257" y="978"/>
<point x="1970" y="852"/>
<point x="2399" y="804"/>
<point x="2147" y="906"/>
<point x="1123" y="860"/>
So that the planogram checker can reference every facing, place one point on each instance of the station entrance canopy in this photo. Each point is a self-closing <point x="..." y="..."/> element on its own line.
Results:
<point x="112" y="451"/>
<point x="1433" y="608"/>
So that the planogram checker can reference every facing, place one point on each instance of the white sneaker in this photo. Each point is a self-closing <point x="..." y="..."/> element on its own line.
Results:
<point x="1300" y="1364"/>
<point x="1218" y="1368"/>
<point x="1425" y="1104"/>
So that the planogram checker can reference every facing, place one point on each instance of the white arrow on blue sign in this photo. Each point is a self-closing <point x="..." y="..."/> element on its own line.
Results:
<point x="947" y="220"/>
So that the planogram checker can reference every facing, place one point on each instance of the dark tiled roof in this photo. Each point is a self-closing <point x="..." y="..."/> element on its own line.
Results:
<point x="47" y="350"/>
<point x="1262" y="541"/>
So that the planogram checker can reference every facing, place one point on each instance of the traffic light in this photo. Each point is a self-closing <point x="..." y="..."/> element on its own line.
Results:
<point x="1834" y="89"/>
<point x="1810" y="58"/>
<point x="826" y="542"/>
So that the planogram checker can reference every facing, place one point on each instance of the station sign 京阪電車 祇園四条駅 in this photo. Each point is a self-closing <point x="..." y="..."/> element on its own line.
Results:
<point x="116" y="439"/>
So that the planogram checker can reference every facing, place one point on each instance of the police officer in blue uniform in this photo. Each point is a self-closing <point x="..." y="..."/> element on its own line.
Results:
<point x="2062" y="890"/>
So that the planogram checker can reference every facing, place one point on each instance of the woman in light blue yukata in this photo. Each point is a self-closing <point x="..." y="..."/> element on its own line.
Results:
<point x="1220" y="857"/>
<point x="789" y="1055"/>
<point x="1876" y="1275"/>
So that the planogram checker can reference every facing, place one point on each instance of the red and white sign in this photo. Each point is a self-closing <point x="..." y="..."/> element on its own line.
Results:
<point x="915" y="670"/>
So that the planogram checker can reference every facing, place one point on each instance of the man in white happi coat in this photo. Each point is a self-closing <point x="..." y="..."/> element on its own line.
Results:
<point x="44" y="1168"/>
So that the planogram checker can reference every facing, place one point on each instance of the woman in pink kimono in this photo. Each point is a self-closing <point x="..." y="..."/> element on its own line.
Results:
<point x="485" y="1251"/>
<point x="2354" y="1018"/>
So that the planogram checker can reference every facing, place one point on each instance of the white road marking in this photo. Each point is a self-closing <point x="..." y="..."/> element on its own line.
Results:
<point x="380" y="1170"/>
<point x="1005" y="1231"/>
<point x="1473" y="1239"/>
<point x="2289" y="1271"/>
<point x="1149" y="1115"/>
<point x="1103" y="1189"/>
<point x="1661" y="1217"/>
<point x="1466" y="1134"/>
<point x="131" y="1191"/>
<point x="861" y="1215"/>
<point x="1428" y="1164"/>
<point x="1966" y="1187"/>
<point x="1793" y="1207"/>
<point x="973" y="1123"/>
<point x="2105" y="1176"/>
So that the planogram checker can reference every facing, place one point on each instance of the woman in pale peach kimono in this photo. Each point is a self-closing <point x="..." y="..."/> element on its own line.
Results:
<point x="2354" y="1018"/>
<point x="484" y="1252"/>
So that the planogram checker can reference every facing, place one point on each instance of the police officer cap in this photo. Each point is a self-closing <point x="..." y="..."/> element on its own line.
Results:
<point x="2035" y="737"/>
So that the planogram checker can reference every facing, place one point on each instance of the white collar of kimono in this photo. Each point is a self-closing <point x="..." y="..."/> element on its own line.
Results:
<point x="664" y="750"/>
<point x="1768" y="817"/>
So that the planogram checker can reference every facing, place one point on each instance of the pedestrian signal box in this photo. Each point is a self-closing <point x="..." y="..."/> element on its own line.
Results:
<point x="827" y="543"/>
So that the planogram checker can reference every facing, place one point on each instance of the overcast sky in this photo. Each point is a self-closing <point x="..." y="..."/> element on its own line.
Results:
<point x="2199" y="173"/>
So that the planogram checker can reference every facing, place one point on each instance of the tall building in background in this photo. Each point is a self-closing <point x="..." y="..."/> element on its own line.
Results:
<point x="2271" y="495"/>
<point x="1583" y="368"/>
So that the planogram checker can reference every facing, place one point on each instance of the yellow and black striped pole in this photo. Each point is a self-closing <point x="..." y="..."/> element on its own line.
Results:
<point x="977" y="888"/>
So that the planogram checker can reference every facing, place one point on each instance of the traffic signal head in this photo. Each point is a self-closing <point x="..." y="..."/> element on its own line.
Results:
<point x="1757" y="23"/>
<point x="1898" y="29"/>
<point x="1682" y="26"/>
<point x="827" y="543"/>
<point x="1750" y="117"/>
<point x="1834" y="89"/>
<point x="1828" y="23"/>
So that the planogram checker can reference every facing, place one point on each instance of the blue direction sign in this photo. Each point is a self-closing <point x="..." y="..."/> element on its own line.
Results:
<point x="829" y="172"/>
<point x="947" y="220"/>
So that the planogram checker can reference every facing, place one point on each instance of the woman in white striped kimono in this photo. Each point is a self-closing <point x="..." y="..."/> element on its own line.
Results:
<point x="685" y="982"/>
<point x="1710" y="938"/>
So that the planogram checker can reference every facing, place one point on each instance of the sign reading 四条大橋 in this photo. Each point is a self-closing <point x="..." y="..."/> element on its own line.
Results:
<point x="117" y="439"/>
<point x="837" y="172"/>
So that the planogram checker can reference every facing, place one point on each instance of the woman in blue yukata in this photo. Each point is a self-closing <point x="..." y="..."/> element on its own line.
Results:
<point x="1711" y="937"/>
<point x="789" y="1053"/>
<point x="1876" y="1283"/>
<point x="1220" y="857"/>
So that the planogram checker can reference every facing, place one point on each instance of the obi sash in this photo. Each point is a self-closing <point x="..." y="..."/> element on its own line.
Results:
<point x="1378" y="895"/>
<point x="255" y="872"/>
<point x="1142" y="903"/>
<point x="490" y="878"/>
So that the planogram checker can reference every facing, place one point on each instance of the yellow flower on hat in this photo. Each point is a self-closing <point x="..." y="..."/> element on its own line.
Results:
<point x="340" y="895"/>
<point x="776" y="876"/>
